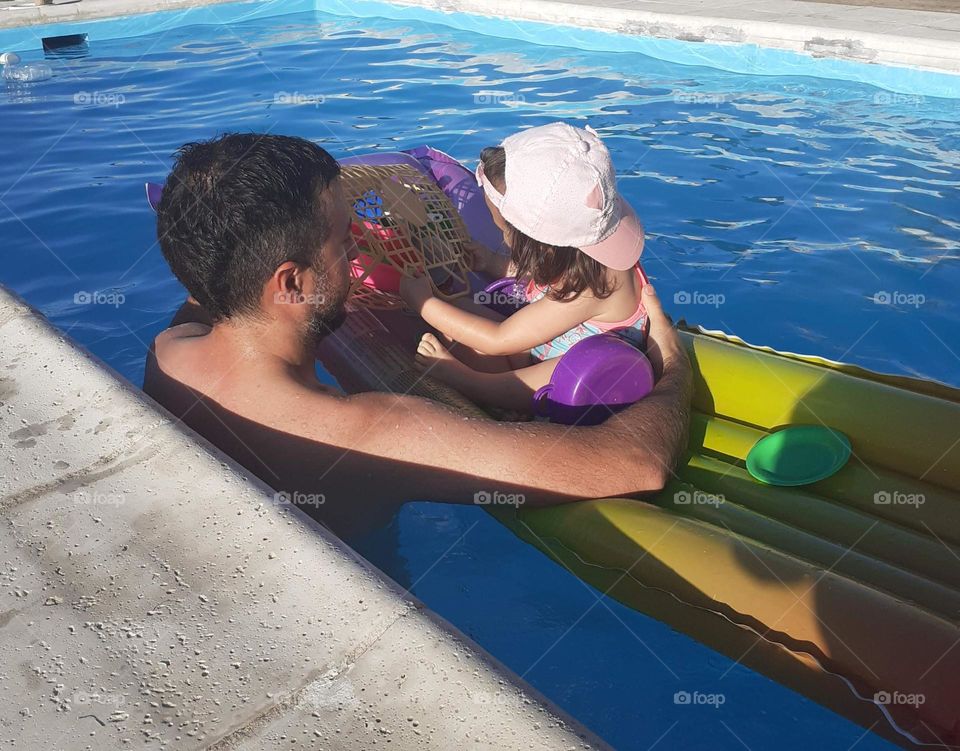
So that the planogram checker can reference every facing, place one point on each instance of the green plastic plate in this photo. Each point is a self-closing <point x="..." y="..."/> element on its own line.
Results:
<point x="798" y="455"/>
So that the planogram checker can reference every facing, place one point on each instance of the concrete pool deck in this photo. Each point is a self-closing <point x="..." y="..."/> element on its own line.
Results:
<point x="901" y="35"/>
<point x="153" y="592"/>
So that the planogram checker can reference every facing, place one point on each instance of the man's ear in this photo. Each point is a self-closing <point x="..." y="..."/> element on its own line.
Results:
<point x="287" y="283"/>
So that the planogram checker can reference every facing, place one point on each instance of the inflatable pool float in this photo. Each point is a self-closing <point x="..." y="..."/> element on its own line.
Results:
<point x="846" y="590"/>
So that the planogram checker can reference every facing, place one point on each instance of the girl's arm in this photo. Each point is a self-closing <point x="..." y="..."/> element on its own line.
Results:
<point x="535" y="324"/>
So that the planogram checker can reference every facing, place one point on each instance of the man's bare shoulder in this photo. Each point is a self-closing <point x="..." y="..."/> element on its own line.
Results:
<point x="271" y="395"/>
<point x="177" y="355"/>
<point x="168" y="350"/>
<point x="180" y="331"/>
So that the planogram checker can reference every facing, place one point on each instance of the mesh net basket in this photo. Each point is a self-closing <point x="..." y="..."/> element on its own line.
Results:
<point x="403" y="223"/>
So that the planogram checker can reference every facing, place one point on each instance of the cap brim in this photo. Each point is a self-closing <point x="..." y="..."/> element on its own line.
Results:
<point x="623" y="248"/>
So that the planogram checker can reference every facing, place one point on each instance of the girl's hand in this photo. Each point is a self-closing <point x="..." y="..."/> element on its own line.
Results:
<point x="415" y="291"/>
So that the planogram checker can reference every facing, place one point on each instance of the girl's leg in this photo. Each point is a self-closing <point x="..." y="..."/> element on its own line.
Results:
<point x="508" y="390"/>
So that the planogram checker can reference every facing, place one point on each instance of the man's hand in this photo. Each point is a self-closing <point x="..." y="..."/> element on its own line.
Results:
<point x="415" y="291"/>
<point x="664" y="415"/>
<point x="663" y="345"/>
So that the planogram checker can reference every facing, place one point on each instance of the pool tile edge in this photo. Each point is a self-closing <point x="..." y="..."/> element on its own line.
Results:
<point x="901" y="38"/>
<point x="93" y="10"/>
<point x="826" y="37"/>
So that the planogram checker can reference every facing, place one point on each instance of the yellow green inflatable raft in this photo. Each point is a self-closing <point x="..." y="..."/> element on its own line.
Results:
<point x="847" y="590"/>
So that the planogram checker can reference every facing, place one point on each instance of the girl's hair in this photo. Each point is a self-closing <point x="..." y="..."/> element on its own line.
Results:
<point x="566" y="271"/>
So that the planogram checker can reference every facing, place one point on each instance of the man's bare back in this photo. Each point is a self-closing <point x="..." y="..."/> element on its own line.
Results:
<point x="247" y="383"/>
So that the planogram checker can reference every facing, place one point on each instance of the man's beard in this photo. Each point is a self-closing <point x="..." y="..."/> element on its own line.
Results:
<point x="324" y="321"/>
<point x="327" y="316"/>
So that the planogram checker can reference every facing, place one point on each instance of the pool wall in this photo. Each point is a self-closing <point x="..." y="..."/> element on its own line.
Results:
<point x="156" y="592"/>
<point x="916" y="53"/>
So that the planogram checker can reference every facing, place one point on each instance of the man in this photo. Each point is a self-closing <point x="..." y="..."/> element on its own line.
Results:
<point x="257" y="229"/>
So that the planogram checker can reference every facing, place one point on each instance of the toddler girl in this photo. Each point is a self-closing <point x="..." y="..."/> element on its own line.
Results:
<point x="575" y="246"/>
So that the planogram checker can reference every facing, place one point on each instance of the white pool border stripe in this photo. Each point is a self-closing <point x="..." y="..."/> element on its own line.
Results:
<point x="914" y="67"/>
<point x="180" y="550"/>
<point x="915" y="53"/>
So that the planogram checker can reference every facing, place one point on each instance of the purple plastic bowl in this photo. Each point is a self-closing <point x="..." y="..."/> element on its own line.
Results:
<point x="596" y="377"/>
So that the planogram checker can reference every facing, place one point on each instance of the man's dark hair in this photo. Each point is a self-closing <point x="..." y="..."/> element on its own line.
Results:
<point x="236" y="207"/>
<point x="565" y="270"/>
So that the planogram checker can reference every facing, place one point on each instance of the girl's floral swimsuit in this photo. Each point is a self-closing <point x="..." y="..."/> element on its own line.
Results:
<point x="633" y="329"/>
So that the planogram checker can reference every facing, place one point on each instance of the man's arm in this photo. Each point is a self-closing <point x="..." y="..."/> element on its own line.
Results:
<point x="391" y="447"/>
<point x="436" y="453"/>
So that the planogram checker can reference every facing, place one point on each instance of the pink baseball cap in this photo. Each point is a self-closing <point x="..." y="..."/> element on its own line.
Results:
<point x="562" y="190"/>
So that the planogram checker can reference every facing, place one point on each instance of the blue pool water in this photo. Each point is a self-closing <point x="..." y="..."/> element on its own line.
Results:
<point x="814" y="216"/>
